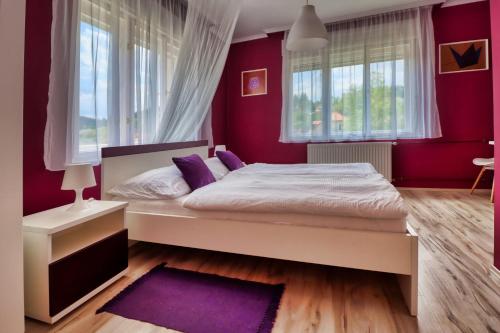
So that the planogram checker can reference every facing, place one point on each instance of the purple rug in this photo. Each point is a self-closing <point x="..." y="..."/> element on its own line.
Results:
<point x="194" y="302"/>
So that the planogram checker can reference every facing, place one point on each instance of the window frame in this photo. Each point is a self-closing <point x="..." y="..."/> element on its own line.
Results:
<point x="368" y="58"/>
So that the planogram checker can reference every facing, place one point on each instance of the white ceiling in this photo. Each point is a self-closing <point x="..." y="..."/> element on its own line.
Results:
<point x="259" y="17"/>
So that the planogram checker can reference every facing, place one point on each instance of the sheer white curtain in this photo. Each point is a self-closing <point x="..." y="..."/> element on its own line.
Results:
<point x="374" y="81"/>
<point x="112" y="67"/>
<point x="63" y="76"/>
<point x="209" y="28"/>
<point x="116" y="64"/>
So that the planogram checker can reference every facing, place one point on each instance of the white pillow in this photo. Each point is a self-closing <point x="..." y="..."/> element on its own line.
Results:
<point x="162" y="183"/>
<point x="218" y="169"/>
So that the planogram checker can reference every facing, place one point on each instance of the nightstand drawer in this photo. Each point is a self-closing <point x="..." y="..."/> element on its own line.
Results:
<point x="76" y="275"/>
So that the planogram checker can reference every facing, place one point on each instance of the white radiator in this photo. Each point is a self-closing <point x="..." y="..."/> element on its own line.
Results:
<point x="379" y="154"/>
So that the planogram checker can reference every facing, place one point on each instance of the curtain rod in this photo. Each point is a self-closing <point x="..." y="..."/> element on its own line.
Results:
<point x="364" y="14"/>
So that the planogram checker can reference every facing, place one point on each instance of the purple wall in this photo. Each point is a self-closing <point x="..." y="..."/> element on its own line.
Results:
<point x="465" y="103"/>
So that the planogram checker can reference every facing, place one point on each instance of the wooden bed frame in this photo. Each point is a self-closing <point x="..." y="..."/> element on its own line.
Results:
<point x="368" y="250"/>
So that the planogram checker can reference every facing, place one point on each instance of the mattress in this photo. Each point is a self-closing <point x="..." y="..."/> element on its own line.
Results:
<point x="348" y="190"/>
<point x="175" y="208"/>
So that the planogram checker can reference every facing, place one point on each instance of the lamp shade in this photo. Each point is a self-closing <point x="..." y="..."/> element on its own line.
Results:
<point x="307" y="32"/>
<point x="78" y="176"/>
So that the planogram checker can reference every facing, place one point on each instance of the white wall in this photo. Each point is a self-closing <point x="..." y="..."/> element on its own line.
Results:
<point x="12" y="18"/>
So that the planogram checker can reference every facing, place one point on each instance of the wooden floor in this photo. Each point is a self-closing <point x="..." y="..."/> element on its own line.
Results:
<point x="459" y="290"/>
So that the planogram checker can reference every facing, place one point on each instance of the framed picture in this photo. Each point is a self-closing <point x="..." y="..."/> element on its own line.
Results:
<point x="254" y="82"/>
<point x="467" y="56"/>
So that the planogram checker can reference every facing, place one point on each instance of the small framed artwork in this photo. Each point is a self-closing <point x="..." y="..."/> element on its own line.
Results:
<point x="467" y="56"/>
<point x="254" y="82"/>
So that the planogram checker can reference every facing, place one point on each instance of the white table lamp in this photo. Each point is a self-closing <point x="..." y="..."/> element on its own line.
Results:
<point x="77" y="177"/>
<point x="219" y="148"/>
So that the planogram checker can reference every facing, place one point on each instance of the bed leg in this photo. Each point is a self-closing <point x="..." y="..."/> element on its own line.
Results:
<point x="409" y="283"/>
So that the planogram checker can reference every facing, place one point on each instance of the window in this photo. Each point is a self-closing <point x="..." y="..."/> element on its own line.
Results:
<point x="372" y="82"/>
<point x="365" y="100"/>
<point x="126" y="59"/>
<point x="93" y="120"/>
<point x="132" y="72"/>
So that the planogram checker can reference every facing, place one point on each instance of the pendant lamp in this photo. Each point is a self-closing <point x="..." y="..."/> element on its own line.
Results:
<point x="307" y="32"/>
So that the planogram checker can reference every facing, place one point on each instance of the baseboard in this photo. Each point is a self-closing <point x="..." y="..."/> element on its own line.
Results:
<point x="495" y="271"/>
<point x="435" y="189"/>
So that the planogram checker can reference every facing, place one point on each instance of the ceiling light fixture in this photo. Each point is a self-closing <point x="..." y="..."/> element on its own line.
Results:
<point x="307" y="32"/>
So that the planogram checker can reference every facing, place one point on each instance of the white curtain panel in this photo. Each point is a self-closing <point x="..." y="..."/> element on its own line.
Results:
<point x="63" y="76"/>
<point x="375" y="80"/>
<point x="208" y="32"/>
<point x="116" y="68"/>
<point x="112" y="67"/>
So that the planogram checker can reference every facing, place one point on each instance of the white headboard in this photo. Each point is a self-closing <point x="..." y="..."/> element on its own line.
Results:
<point x="122" y="163"/>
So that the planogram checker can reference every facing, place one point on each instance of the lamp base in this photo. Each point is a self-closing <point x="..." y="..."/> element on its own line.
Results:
<point x="79" y="203"/>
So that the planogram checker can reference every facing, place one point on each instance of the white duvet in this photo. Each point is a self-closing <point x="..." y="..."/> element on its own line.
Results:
<point x="355" y="190"/>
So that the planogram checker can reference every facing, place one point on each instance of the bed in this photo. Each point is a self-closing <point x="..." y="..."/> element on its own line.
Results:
<point x="377" y="240"/>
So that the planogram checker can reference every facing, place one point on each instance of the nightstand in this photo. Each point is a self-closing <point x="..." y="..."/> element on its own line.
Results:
<point x="70" y="256"/>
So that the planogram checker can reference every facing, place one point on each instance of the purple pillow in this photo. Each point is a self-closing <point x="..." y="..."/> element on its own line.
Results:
<point x="194" y="170"/>
<point x="231" y="161"/>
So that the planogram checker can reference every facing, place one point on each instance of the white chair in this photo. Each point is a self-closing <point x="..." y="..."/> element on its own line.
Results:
<point x="485" y="164"/>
